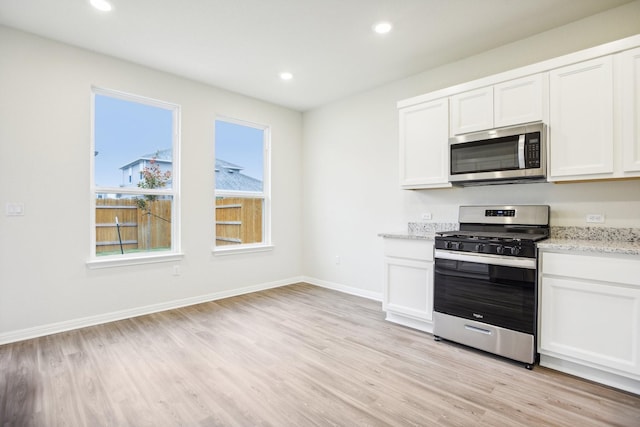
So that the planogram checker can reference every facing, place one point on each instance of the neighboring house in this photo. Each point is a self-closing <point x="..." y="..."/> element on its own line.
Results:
<point x="132" y="172"/>
<point x="228" y="175"/>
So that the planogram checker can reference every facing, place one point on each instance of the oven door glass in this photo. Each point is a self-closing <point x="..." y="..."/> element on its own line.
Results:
<point x="493" y="294"/>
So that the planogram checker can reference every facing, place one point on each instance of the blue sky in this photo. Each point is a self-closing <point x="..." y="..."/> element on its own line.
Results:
<point x="241" y="145"/>
<point x="126" y="130"/>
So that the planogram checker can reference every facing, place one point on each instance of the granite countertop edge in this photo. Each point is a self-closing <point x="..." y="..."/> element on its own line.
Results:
<point x="421" y="231"/>
<point x="597" y="246"/>
<point x="407" y="236"/>
<point x="605" y="240"/>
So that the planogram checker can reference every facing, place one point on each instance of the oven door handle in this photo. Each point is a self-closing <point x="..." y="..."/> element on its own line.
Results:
<point x="490" y="259"/>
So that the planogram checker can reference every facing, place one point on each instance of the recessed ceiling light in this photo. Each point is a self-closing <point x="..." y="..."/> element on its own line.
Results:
<point x="102" y="5"/>
<point x="382" y="27"/>
<point x="286" y="76"/>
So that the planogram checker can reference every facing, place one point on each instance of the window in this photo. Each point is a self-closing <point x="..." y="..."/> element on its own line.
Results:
<point x="134" y="179"/>
<point x="242" y="205"/>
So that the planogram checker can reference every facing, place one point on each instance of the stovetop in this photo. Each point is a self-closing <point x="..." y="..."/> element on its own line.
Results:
<point x="493" y="235"/>
<point x="506" y="230"/>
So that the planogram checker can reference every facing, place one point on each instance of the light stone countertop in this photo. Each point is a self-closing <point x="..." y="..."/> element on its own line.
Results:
<point x="606" y="240"/>
<point x="609" y="240"/>
<point x="597" y="246"/>
<point x="421" y="230"/>
<point x="407" y="236"/>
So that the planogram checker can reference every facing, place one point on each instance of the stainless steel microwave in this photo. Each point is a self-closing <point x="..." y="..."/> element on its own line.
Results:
<point x="506" y="155"/>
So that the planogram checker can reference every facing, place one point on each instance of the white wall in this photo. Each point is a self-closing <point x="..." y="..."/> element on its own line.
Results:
<point x="351" y="186"/>
<point x="45" y="118"/>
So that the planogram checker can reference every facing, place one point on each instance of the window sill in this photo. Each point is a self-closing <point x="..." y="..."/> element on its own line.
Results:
<point x="133" y="260"/>
<point x="244" y="249"/>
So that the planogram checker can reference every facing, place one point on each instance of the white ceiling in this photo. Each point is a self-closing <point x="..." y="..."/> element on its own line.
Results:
<point x="243" y="45"/>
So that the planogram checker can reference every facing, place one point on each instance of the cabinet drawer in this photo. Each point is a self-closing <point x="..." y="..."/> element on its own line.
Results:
<point x="601" y="268"/>
<point x="411" y="249"/>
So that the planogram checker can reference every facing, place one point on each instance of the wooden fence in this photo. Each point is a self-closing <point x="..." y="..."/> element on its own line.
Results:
<point x="238" y="220"/>
<point x="140" y="229"/>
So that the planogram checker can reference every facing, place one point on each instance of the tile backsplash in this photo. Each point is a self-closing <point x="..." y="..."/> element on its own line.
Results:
<point x="427" y="228"/>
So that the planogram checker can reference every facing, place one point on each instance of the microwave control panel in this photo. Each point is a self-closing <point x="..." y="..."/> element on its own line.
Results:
<point x="532" y="150"/>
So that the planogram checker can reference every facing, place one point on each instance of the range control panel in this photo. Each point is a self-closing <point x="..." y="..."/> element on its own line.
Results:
<point x="500" y="212"/>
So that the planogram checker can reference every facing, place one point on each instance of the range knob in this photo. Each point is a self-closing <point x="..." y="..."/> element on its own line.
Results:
<point x="479" y="247"/>
<point x="453" y="245"/>
<point x="515" y="250"/>
<point x="499" y="249"/>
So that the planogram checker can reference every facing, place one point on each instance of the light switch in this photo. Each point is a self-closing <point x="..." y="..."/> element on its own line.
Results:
<point x="15" y="209"/>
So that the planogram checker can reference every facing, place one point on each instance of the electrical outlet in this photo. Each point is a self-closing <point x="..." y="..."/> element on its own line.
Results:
<point x="426" y="216"/>
<point x="599" y="218"/>
<point x="15" y="209"/>
<point x="338" y="260"/>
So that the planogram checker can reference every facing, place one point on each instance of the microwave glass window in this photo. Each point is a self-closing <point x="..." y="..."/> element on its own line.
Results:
<point x="501" y="154"/>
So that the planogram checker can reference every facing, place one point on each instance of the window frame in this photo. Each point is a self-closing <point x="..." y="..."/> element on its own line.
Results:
<point x="174" y="253"/>
<point x="265" y="195"/>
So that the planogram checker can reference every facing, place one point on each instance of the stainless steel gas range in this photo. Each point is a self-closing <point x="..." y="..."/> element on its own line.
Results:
<point x="485" y="283"/>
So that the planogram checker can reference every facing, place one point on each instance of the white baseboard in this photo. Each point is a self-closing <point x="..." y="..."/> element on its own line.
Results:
<point x="410" y="322"/>
<point x="593" y="374"/>
<point x="54" y="328"/>
<point x="376" y="296"/>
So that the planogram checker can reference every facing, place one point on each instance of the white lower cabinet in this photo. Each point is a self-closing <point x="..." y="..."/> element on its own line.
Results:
<point x="590" y="317"/>
<point x="408" y="282"/>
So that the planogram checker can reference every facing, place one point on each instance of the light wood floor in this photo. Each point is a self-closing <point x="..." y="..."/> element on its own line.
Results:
<point x="292" y="356"/>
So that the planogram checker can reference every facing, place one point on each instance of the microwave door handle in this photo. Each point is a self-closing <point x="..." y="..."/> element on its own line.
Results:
<point x="521" y="162"/>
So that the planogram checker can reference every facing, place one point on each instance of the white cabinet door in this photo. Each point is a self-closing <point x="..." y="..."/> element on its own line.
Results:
<point x="590" y="311"/>
<point x="630" y="114"/>
<point x="581" y="120"/>
<point x="520" y="101"/>
<point x="424" y="149"/>
<point x="408" y="283"/>
<point x="472" y="111"/>
<point x="591" y="322"/>
<point x="510" y="103"/>
<point x="409" y="288"/>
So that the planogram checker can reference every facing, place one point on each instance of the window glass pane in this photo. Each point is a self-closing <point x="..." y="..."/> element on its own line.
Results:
<point x="239" y="170"/>
<point x="239" y="157"/>
<point x="132" y="139"/>
<point x="132" y="224"/>
<point x="135" y="179"/>
<point x="238" y="220"/>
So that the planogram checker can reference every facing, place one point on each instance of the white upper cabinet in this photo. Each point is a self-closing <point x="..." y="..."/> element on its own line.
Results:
<point x="629" y="65"/>
<point x="472" y="111"/>
<point x="510" y="103"/>
<point x="424" y="149"/>
<point x="581" y="138"/>
<point x="520" y="101"/>
<point x="590" y="101"/>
